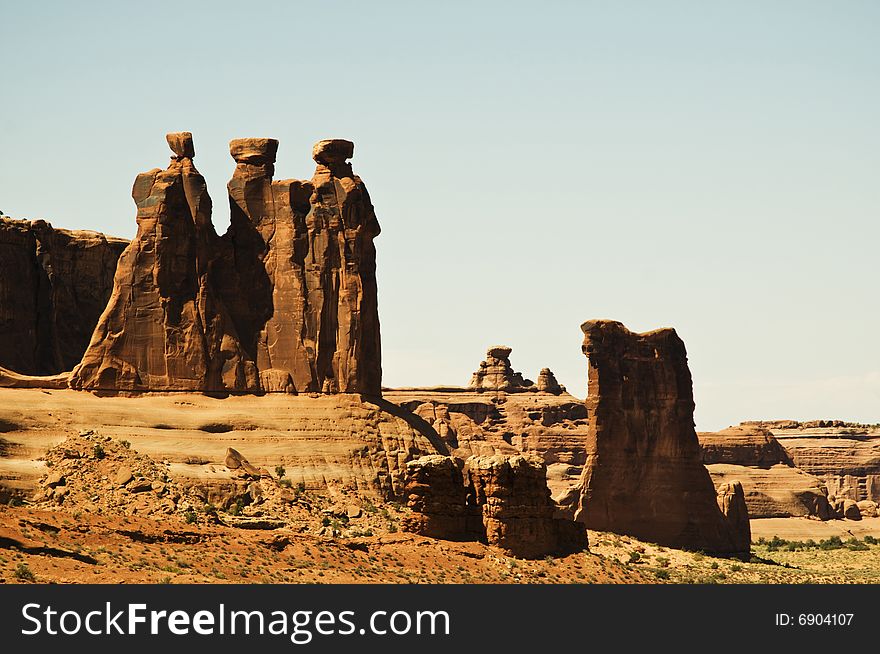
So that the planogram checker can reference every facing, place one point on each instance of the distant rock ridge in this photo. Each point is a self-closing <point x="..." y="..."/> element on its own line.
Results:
<point x="285" y="301"/>
<point x="54" y="284"/>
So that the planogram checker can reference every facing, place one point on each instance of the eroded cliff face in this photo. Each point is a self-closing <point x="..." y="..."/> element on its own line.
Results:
<point x="286" y="301"/>
<point x="644" y="474"/>
<point x="54" y="284"/>
<point x="164" y="327"/>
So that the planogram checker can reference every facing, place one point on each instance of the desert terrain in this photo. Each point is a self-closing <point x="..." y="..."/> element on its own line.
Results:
<point x="179" y="518"/>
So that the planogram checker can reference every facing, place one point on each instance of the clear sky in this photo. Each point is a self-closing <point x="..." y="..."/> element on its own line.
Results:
<point x="711" y="166"/>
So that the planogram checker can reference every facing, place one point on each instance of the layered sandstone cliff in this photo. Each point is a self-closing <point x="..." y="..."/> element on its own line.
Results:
<point x="772" y="485"/>
<point x="54" y="284"/>
<point x="644" y="474"/>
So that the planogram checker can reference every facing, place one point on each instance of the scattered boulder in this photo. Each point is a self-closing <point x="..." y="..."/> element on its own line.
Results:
<point x="234" y="459"/>
<point x="123" y="476"/>
<point x="353" y="511"/>
<point x="55" y="478"/>
<point x="851" y="510"/>
<point x="867" y="508"/>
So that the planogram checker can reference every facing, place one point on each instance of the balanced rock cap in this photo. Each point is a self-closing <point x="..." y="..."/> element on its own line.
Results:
<point x="499" y="351"/>
<point x="332" y="151"/>
<point x="253" y="150"/>
<point x="181" y="144"/>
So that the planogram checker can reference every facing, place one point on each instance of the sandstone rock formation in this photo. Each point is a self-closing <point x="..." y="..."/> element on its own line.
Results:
<point x="644" y="476"/>
<point x="505" y="503"/>
<point x="436" y="494"/>
<point x="496" y="373"/>
<point x="284" y="302"/>
<point x="541" y="419"/>
<point x="54" y="284"/>
<point x="732" y="502"/>
<point x="304" y="253"/>
<point x="547" y="382"/>
<point x="518" y="513"/>
<point x="164" y="327"/>
<point x="773" y="486"/>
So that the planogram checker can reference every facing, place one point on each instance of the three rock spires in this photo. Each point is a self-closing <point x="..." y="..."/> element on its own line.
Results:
<point x="285" y="301"/>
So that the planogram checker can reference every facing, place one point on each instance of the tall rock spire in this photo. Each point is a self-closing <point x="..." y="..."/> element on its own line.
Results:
<point x="163" y="328"/>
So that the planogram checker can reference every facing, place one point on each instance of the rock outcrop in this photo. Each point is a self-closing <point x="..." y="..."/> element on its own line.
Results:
<point x="496" y="373"/>
<point x="436" y="495"/>
<point x="732" y="502"/>
<point x="644" y="475"/>
<point x="540" y="419"/>
<point x="304" y="251"/>
<point x="286" y="301"/>
<point x="500" y="500"/>
<point x="518" y="513"/>
<point x="547" y="382"/>
<point x="54" y="284"/>
<point x="164" y="327"/>
<point x="328" y="444"/>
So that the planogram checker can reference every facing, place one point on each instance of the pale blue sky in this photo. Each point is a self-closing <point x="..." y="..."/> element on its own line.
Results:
<point x="711" y="166"/>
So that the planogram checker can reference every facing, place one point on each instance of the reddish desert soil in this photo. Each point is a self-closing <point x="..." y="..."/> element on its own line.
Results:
<point x="56" y="547"/>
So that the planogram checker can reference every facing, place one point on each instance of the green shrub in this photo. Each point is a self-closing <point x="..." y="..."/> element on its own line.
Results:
<point x="661" y="574"/>
<point x="833" y="543"/>
<point x="98" y="451"/>
<point x="280" y="471"/>
<point x="23" y="572"/>
<point x="190" y="516"/>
